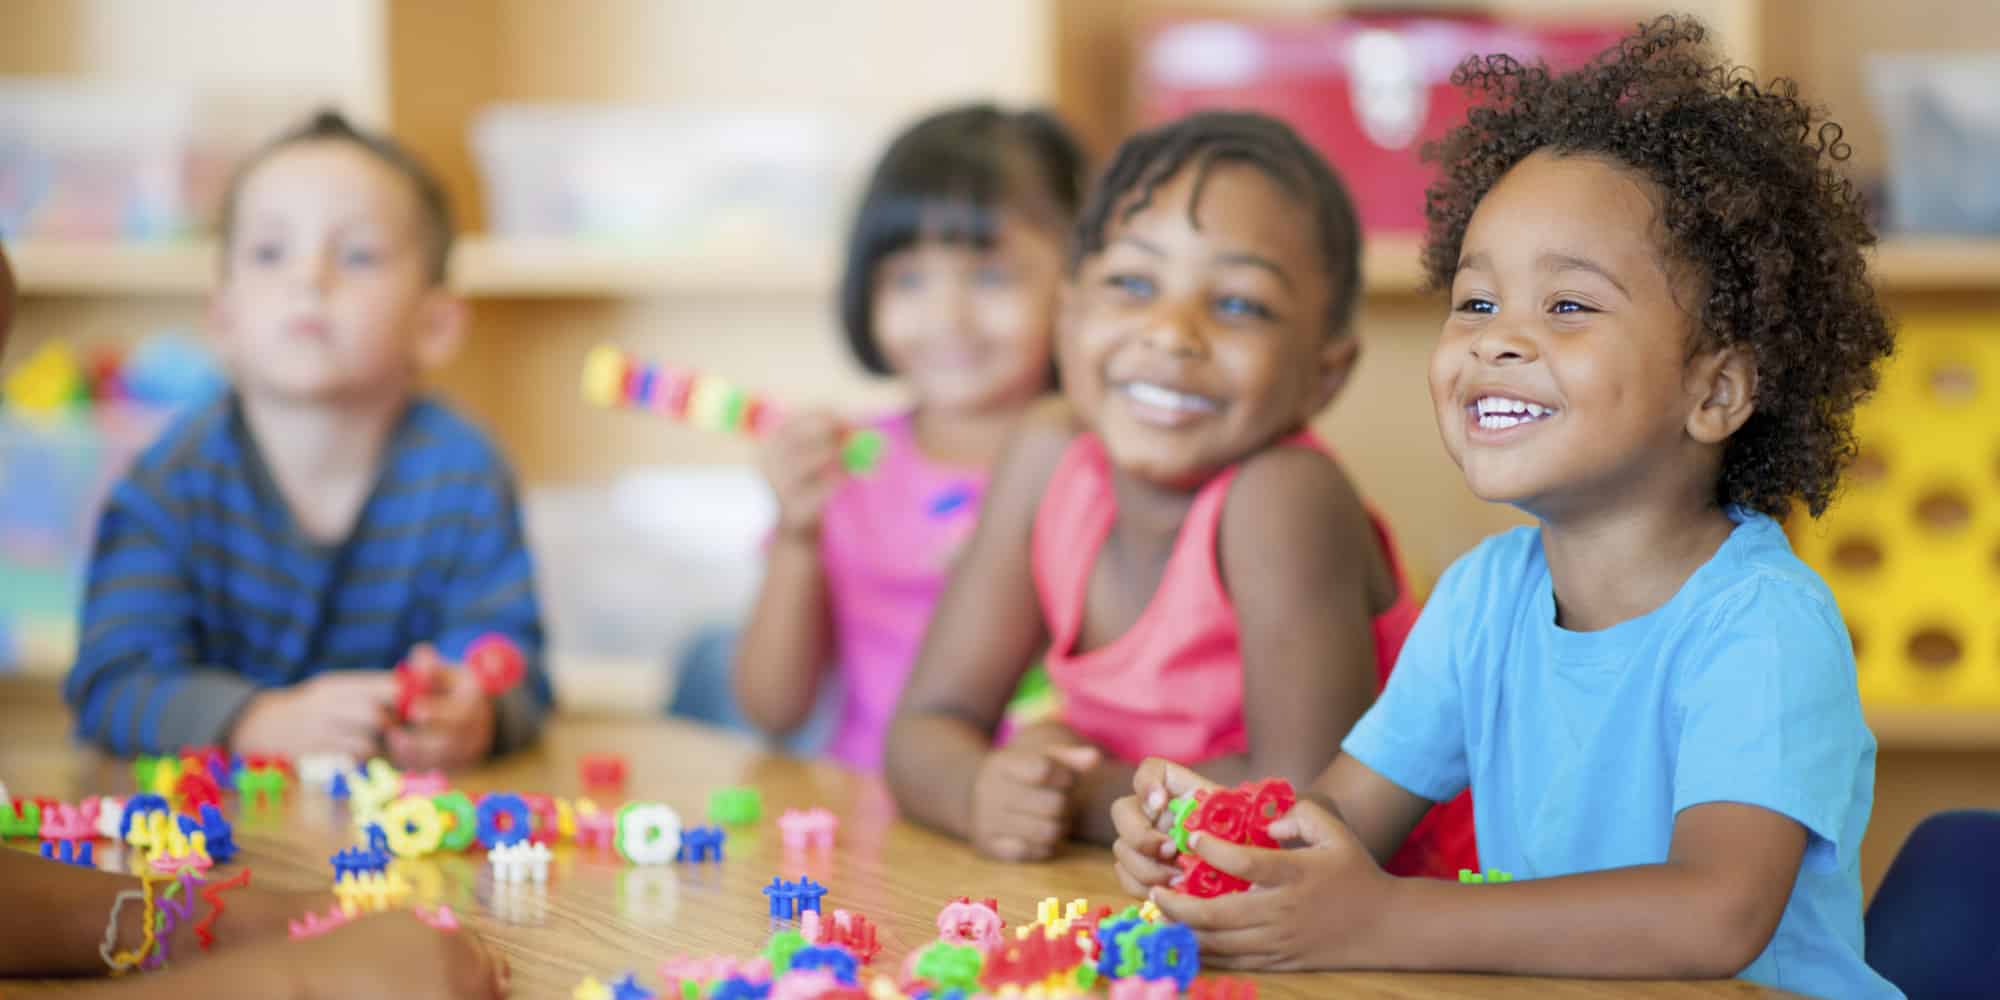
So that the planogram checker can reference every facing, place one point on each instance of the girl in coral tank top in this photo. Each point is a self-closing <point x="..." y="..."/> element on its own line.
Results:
<point x="1205" y="582"/>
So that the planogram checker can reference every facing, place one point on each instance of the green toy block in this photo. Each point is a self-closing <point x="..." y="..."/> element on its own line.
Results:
<point x="950" y="966"/>
<point x="465" y="819"/>
<point x="783" y="946"/>
<point x="1181" y="807"/>
<point x="144" y="769"/>
<point x="735" y="806"/>
<point x="862" y="451"/>
<point x="26" y="823"/>
<point x="265" y="782"/>
<point x="1467" y="876"/>
<point x="1129" y="955"/>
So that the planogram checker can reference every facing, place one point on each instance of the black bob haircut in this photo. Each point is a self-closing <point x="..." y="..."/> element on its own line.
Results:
<point x="947" y="178"/>
<point x="433" y="208"/>
<point x="1206" y="139"/>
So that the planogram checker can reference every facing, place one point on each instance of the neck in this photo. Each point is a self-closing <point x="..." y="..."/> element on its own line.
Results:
<point x="970" y="438"/>
<point x="323" y="457"/>
<point x="1148" y="514"/>
<point x="1614" y="566"/>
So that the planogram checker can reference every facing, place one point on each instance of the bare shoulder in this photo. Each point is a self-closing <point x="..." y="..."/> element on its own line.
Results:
<point x="1293" y="508"/>
<point x="1045" y="433"/>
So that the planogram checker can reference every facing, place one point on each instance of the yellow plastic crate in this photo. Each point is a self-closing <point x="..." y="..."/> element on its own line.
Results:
<point x="1912" y="547"/>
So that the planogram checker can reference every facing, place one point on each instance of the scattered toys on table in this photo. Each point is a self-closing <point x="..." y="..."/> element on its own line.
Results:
<point x="807" y="828"/>
<point x="1240" y="815"/>
<point x="520" y="862"/>
<point x="735" y="806"/>
<point x="70" y="852"/>
<point x="648" y="833"/>
<point x="701" y="843"/>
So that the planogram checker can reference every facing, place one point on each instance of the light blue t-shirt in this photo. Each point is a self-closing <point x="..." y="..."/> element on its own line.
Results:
<point x="1582" y="747"/>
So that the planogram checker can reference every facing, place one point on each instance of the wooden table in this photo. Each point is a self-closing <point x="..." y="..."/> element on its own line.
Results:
<point x="600" y="917"/>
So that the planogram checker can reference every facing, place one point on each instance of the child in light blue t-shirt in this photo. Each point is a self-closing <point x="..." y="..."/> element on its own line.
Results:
<point x="1660" y="325"/>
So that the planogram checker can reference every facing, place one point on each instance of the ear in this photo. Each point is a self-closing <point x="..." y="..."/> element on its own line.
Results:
<point x="1723" y="385"/>
<point x="1336" y="360"/>
<point x="441" y="321"/>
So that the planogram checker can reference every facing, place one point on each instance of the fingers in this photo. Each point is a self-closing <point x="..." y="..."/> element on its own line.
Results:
<point x="1255" y="864"/>
<point x="1228" y="912"/>
<point x="1143" y="836"/>
<point x="1018" y="849"/>
<point x="1141" y="869"/>
<point x="1158" y="782"/>
<point x="1310" y="823"/>
<point x="1077" y="760"/>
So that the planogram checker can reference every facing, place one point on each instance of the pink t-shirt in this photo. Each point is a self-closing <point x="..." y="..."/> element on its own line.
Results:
<point x="887" y="541"/>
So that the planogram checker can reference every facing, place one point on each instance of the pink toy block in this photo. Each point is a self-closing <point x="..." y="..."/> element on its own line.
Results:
<point x="807" y="828"/>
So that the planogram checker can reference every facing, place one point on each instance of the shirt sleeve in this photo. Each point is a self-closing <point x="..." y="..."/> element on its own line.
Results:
<point x="491" y="590"/>
<point x="1414" y="734"/>
<point x="1770" y="715"/>
<point x="136" y="686"/>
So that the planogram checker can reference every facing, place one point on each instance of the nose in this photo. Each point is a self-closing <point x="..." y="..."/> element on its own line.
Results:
<point x="1174" y="329"/>
<point x="1504" y="344"/>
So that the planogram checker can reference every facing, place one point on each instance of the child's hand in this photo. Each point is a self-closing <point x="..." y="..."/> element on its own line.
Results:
<point x="1021" y="805"/>
<point x="801" y="461"/>
<point x="1144" y="850"/>
<point x="1309" y="907"/>
<point x="340" y="712"/>
<point x="395" y="954"/>
<point x="450" y="724"/>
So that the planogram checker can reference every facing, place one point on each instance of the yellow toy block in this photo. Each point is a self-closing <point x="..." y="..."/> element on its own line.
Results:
<point x="1911" y="549"/>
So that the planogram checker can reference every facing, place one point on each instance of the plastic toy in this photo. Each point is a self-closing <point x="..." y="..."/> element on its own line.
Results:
<point x="628" y="988"/>
<point x="371" y="790"/>
<point x="496" y="663"/>
<point x="110" y="815"/>
<point x="542" y="809"/>
<point x="1143" y="989"/>
<point x="1205" y="881"/>
<point x="337" y="787"/>
<point x="701" y="843"/>
<point x="413" y="825"/>
<point x="522" y="862"/>
<point x="735" y="806"/>
<point x="836" y="960"/>
<point x="175" y="906"/>
<point x="69" y="852"/>
<point x="352" y="862"/>
<point x="314" y="924"/>
<point x="1035" y="959"/>
<point x="459" y="819"/>
<point x="809" y="894"/>
<point x="215" y="830"/>
<point x="204" y="930"/>
<point x="69" y="823"/>
<point x="949" y="966"/>
<point x="807" y="828"/>
<point x="602" y="770"/>
<point x="597" y="828"/>
<point x="784" y="898"/>
<point x="261" y="784"/>
<point x="372" y="891"/>
<point x="648" y="833"/>
<point x="197" y="788"/>
<point x="1467" y="876"/>
<point x="848" y="930"/>
<point x="1170" y="952"/>
<point x="21" y="819"/>
<point x="173" y="851"/>
<point x="590" y="989"/>
<point x="782" y="946"/>
<point x="968" y="923"/>
<point x="50" y="381"/>
<point x="503" y="818"/>
<point x="611" y="378"/>
<point x="149" y="829"/>
<point x="1223" y="988"/>
<point x="439" y="919"/>
<point x="735" y="988"/>
<point x="137" y="806"/>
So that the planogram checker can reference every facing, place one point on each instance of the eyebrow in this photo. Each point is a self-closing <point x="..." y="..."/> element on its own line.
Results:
<point x="1141" y="243"/>
<point x="1254" y="260"/>
<point x="1552" y="262"/>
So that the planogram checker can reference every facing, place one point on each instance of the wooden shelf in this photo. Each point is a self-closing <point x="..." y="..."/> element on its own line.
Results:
<point x="1935" y="728"/>
<point x="485" y="267"/>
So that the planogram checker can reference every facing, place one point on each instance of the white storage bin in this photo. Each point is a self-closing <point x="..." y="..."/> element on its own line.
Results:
<point x="1941" y="112"/>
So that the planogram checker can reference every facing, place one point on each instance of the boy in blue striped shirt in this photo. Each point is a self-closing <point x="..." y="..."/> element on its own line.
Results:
<point x="264" y="565"/>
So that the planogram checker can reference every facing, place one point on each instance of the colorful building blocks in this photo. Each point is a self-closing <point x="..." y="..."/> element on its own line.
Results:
<point x="503" y="818"/>
<point x="70" y="852"/>
<point x="521" y="862"/>
<point x="832" y="958"/>
<point x="648" y="833"/>
<point x="602" y="770"/>
<point x="701" y="843"/>
<point x="807" y="828"/>
<point x="965" y="922"/>
<point x="735" y="806"/>
<point x="459" y="819"/>
<point x="414" y="826"/>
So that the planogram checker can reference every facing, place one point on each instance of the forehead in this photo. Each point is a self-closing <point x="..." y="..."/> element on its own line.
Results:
<point x="1579" y="204"/>
<point x="1230" y="207"/>
<point x="326" y="177"/>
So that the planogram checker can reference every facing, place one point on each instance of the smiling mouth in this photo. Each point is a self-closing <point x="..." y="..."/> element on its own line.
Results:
<point x="1499" y="413"/>
<point x="1159" y="397"/>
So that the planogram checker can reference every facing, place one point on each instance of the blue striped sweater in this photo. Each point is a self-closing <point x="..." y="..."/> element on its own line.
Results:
<point x="202" y="592"/>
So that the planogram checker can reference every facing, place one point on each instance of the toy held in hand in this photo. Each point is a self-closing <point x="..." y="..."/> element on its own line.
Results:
<point x="613" y="378"/>
<point x="1240" y="815"/>
<point x="492" y="659"/>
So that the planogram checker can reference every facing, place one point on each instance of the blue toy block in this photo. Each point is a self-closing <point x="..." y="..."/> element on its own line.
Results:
<point x="220" y="838"/>
<point x="69" y="853"/>
<point x="701" y="843"/>
<point x="1171" y="952"/>
<point x="740" y="989"/>
<point x="136" y="806"/>
<point x="1107" y="944"/>
<point x="809" y="894"/>
<point x="784" y="898"/>
<point x="836" y="960"/>
<point x="338" y="787"/>
<point x="491" y="808"/>
<point x="628" y="988"/>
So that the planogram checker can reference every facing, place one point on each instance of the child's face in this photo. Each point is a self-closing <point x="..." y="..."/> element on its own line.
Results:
<point x="1562" y="376"/>
<point x="970" y="328"/>
<point x="326" y="296"/>
<point x="1199" y="334"/>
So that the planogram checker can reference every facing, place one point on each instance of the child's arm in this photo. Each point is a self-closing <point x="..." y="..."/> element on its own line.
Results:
<point x="490" y="590"/>
<point x="1297" y="552"/>
<point x="1013" y="803"/>
<point x="789" y="641"/>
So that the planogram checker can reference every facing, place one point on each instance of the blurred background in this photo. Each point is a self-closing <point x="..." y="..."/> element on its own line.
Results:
<point x="674" y="176"/>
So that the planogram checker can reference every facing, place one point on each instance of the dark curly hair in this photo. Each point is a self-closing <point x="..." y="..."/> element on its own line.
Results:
<point x="1208" y="138"/>
<point x="1751" y="201"/>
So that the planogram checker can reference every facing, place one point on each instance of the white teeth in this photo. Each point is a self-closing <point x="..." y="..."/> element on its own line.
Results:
<point x="1487" y="406"/>
<point x="1500" y="421"/>
<point x="1160" y="397"/>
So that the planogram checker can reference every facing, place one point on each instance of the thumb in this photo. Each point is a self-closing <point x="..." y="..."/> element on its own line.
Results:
<point x="1311" y="825"/>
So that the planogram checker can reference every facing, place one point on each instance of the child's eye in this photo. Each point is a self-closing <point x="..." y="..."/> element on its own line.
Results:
<point x="1476" y="305"/>
<point x="1570" y="306"/>
<point x="1133" y="285"/>
<point x="266" y="253"/>
<point x="905" y="279"/>
<point x="993" y="276"/>
<point x="1242" y="306"/>
<point x="360" y="257"/>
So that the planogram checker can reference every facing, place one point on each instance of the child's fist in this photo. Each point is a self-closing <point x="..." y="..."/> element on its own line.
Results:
<point x="1021" y="804"/>
<point x="451" y="722"/>
<point x="801" y="461"/>
<point x="1144" y="850"/>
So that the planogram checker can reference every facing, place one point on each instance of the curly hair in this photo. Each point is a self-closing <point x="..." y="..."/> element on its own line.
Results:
<point x="1751" y="201"/>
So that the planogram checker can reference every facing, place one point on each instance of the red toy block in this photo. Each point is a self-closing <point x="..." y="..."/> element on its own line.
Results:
<point x="1222" y="988"/>
<point x="196" y="789"/>
<point x="1201" y="879"/>
<point x="542" y="809"/>
<point x="496" y="662"/>
<point x="602" y="770"/>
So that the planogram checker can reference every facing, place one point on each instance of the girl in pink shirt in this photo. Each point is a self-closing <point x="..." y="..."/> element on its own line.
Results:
<point x="953" y="268"/>
<point x="1208" y="584"/>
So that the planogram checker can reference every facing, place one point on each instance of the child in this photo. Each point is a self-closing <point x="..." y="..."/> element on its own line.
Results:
<point x="264" y="565"/>
<point x="53" y="921"/>
<point x="1208" y="584"/>
<point x="1660" y="326"/>
<point x="952" y="271"/>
